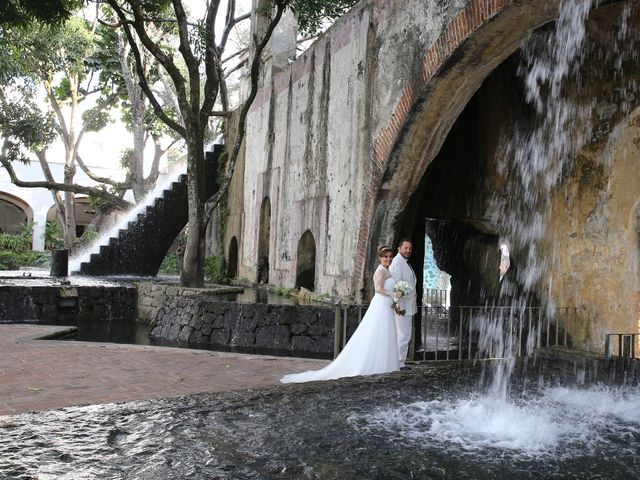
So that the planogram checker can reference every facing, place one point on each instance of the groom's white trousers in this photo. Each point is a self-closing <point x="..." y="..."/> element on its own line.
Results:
<point x="404" y="327"/>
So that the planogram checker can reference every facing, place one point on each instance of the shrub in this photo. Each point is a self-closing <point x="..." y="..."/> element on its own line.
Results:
<point x="215" y="268"/>
<point x="53" y="235"/>
<point x="14" y="243"/>
<point x="170" y="265"/>
<point x="16" y="260"/>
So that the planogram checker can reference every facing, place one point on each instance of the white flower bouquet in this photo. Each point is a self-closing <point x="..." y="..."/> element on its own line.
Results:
<point x="405" y="289"/>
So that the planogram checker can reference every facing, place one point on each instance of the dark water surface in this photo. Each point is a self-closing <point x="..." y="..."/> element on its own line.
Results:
<point x="131" y="332"/>
<point x="398" y="426"/>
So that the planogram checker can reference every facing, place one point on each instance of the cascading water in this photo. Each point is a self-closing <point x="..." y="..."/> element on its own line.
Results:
<point x="535" y="161"/>
<point x="85" y="255"/>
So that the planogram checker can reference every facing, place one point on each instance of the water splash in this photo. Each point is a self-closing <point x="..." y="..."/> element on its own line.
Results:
<point x="560" y="421"/>
<point x="131" y="216"/>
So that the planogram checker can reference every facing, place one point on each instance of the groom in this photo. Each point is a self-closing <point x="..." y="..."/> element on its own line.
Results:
<point x="401" y="270"/>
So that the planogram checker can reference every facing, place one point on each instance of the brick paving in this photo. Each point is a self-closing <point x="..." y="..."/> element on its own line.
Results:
<point x="38" y="375"/>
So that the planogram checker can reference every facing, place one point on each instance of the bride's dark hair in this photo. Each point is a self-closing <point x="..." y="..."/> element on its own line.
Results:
<point x="382" y="249"/>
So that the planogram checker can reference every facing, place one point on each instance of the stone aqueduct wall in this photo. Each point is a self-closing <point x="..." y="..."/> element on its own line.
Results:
<point x="321" y="132"/>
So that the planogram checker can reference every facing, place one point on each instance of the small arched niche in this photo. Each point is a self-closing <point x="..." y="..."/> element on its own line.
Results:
<point x="264" y="233"/>
<point x="306" y="261"/>
<point x="232" y="263"/>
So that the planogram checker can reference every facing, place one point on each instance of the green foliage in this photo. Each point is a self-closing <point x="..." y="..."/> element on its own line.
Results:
<point x="312" y="13"/>
<point x="23" y="125"/>
<point x="16" y="260"/>
<point x="87" y="238"/>
<point x="96" y="118"/>
<point x="20" y="241"/>
<point x="23" y="12"/>
<point x="126" y="158"/>
<point x="284" y="291"/>
<point x="215" y="268"/>
<point x="53" y="235"/>
<point x="170" y="265"/>
<point x="15" y="243"/>
<point x="101" y="204"/>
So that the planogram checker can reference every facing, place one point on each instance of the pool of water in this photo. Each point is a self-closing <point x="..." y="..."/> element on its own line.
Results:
<point x="433" y="423"/>
<point x="131" y="332"/>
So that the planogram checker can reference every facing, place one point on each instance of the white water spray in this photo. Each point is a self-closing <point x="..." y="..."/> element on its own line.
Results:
<point x="131" y="216"/>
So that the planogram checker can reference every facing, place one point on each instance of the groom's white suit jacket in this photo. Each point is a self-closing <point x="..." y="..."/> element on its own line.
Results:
<point x="401" y="270"/>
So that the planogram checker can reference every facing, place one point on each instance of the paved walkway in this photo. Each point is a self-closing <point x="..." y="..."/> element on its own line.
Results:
<point x="40" y="375"/>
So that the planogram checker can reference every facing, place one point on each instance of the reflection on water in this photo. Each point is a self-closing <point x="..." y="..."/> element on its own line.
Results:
<point x="260" y="295"/>
<point x="423" y="425"/>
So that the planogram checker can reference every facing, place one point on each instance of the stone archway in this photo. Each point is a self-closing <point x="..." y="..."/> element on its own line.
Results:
<point x="450" y="118"/>
<point x="232" y="262"/>
<point x="264" y="234"/>
<point x="306" y="261"/>
<point x="13" y="213"/>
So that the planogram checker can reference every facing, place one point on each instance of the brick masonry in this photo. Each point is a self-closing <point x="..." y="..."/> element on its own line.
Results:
<point x="455" y="33"/>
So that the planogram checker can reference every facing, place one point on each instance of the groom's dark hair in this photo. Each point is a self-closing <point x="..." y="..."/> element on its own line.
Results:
<point x="404" y="239"/>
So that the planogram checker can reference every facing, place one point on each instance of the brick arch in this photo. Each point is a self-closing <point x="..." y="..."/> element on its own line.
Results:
<point x="468" y="49"/>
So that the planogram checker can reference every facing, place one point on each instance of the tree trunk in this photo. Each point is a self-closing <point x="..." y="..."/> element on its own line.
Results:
<point x="192" y="274"/>
<point x="57" y="199"/>
<point x="69" y="227"/>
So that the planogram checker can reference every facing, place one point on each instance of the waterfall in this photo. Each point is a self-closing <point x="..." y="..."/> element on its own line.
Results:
<point x="131" y="216"/>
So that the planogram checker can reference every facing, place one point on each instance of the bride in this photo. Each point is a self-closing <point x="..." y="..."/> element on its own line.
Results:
<point x="373" y="347"/>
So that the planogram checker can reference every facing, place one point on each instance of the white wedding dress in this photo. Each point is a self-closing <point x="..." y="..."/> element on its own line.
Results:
<point x="373" y="347"/>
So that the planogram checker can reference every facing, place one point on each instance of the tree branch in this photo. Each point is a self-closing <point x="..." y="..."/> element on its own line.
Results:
<point x="185" y="49"/>
<point x="212" y="203"/>
<point x="120" y="185"/>
<point x="57" y="200"/>
<point x="211" y="63"/>
<point x="159" y="55"/>
<point x="234" y="55"/>
<point x="61" y="187"/>
<point x="237" y="67"/>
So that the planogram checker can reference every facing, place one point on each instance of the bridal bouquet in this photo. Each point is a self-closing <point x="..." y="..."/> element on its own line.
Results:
<point x="405" y="289"/>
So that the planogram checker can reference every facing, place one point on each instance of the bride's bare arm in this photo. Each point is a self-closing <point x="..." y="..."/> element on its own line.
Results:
<point x="379" y="278"/>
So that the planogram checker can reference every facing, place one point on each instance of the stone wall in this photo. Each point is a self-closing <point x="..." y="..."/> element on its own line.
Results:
<point x="55" y="304"/>
<point x="198" y="316"/>
<point x="205" y="320"/>
<point x="339" y="140"/>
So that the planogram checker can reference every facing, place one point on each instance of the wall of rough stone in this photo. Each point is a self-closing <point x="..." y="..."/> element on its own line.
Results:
<point x="294" y="329"/>
<point x="46" y="304"/>
<point x="197" y="316"/>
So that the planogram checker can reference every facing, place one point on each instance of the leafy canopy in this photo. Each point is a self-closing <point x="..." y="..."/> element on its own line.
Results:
<point x="24" y="12"/>
<point x="312" y="13"/>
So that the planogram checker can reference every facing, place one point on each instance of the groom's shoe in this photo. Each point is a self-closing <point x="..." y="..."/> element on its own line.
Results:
<point x="404" y="368"/>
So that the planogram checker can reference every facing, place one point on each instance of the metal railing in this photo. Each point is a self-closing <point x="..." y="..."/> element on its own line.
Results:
<point x="626" y="344"/>
<point x="476" y="332"/>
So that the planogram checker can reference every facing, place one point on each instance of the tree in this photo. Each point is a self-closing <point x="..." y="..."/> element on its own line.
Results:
<point x="24" y="12"/>
<point x="193" y="64"/>
<point x="56" y="59"/>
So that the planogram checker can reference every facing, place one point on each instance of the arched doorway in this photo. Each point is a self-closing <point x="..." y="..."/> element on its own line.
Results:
<point x="264" y="233"/>
<point x="232" y="263"/>
<point x="306" y="262"/>
<point x="13" y="213"/>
